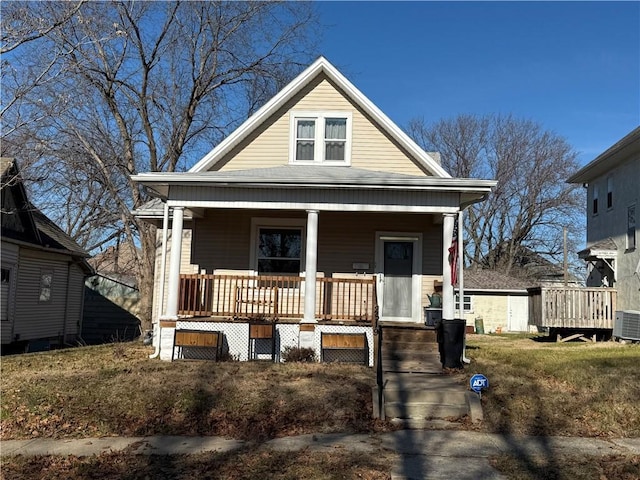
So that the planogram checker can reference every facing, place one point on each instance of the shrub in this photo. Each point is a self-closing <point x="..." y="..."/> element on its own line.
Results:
<point x="299" y="354"/>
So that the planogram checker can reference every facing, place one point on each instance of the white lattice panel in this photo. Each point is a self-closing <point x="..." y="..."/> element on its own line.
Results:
<point x="236" y="338"/>
<point x="344" y="329"/>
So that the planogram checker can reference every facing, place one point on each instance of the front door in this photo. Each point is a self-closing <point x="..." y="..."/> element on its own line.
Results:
<point x="397" y="268"/>
<point x="398" y="279"/>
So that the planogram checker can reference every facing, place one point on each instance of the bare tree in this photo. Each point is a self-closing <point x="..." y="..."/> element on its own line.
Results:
<point x="532" y="201"/>
<point x="150" y="86"/>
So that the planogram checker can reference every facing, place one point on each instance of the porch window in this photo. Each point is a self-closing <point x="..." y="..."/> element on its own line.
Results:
<point x="467" y="303"/>
<point x="321" y="137"/>
<point x="631" y="227"/>
<point x="279" y="251"/>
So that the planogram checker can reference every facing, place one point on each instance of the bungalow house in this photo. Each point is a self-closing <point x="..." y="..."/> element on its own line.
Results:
<point x="318" y="212"/>
<point x="612" y="181"/>
<point x="43" y="273"/>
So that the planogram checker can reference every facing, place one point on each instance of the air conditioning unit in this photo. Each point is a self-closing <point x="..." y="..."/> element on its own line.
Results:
<point x="627" y="325"/>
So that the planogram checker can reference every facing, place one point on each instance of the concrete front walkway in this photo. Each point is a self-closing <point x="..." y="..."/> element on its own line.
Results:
<point x="422" y="454"/>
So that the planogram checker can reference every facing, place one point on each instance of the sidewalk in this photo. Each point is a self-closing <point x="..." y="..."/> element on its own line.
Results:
<point x="434" y="454"/>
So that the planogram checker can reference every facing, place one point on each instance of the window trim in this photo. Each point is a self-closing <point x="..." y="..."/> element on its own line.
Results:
<point x="285" y="223"/>
<point x="610" y="192"/>
<point x="456" y="302"/>
<point x="594" y="200"/>
<point x="320" y="117"/>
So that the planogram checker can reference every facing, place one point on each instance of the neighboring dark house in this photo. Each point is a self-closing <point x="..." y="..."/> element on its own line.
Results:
<point x="112" y="299"/>
<point x="43" y="273"/>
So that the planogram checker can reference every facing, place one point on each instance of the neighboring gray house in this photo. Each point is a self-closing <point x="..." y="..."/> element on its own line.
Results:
<point x="43" y="273"/>
<point x="612" y="181"/>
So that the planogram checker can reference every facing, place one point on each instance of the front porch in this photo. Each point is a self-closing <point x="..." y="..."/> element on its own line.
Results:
<point x="260" y="317"/>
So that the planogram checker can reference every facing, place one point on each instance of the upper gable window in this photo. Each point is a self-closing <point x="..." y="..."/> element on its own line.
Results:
<point x="321" y="137"/>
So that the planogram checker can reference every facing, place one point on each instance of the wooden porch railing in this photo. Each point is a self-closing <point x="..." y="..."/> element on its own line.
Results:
<point x="560" y="307"/>
<point x="276" y="297"/>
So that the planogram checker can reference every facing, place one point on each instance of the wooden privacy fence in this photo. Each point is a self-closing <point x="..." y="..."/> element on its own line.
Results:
<point x="273" y="297"/>
<point x="560" y="307"/>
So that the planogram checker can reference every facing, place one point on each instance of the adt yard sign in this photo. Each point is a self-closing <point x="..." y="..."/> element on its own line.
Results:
<point x="479" y="382"/>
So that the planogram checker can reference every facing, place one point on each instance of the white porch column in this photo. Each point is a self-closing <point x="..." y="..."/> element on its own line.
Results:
<point x="173" y="286"/>
<point x="311" y="267"/>
<point x="448" y="302"/>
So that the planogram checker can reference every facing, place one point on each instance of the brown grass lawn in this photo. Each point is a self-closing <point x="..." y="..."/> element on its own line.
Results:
<point x="117" y="390"/>
<point x="611" y="467"/>
<point x="248" y="465"/>
<point x="567" y="389"/>
<point x="536" y="388"/>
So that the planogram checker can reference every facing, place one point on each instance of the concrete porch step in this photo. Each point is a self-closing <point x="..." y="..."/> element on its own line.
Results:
<point x="408" y="335"/>
<point x="457" y="397"/>
<point x="431" y="365"/>
<point x="393" y="345"/>
<point x="420" y="410"/>
<point x="425" y="355"/>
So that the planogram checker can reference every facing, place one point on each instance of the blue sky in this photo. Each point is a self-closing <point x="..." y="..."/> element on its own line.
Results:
<point x="573" y="67"/>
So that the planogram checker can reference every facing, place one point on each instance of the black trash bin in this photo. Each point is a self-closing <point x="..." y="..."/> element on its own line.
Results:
<point x="452" y="342"/>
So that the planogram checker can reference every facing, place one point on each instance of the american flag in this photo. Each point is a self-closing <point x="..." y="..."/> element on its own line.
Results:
<point x="453" y="255"/>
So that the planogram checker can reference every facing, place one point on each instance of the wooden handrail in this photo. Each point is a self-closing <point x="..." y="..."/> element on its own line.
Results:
<point x="276" y="296"/>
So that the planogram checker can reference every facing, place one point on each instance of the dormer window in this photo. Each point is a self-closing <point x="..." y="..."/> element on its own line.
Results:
<point x="321" y="137"/>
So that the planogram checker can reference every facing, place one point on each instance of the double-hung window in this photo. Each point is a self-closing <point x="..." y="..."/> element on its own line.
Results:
<point x="321" y="137"/>
<point x="279" y="251"/>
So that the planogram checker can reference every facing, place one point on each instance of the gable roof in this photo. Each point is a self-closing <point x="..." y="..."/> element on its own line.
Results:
<point x="320" y="66"/>
<point x="40" y="231"/>
<point x="493" y="280"/>
<point x="618" y="152"/>
<point x="14" y="192"/>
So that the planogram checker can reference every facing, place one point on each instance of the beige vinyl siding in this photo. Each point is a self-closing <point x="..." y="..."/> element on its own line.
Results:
<point x="10" y="254"/>
<point x="268" y="146"/>
<point x="35" y="319"/>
